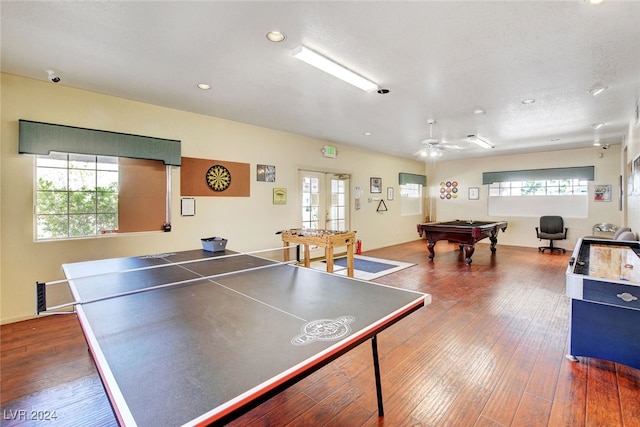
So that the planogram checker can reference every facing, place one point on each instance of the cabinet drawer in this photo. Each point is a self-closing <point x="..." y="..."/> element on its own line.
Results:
<point x="627" y="296"/>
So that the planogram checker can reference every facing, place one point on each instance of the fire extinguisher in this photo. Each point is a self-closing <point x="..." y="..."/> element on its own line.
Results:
<point x="359" y="247"/>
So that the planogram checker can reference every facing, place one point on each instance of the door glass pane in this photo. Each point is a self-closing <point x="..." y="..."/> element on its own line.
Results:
<point x="310" y="202"/>
<point x="337" y="210"/>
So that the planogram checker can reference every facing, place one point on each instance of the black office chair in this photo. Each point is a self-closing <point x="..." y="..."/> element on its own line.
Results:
<point x="551" y="228"/>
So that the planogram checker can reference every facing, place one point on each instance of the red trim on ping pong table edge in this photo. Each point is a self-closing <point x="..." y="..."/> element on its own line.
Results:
<point x="118" y="403"/>
<point x="307" y="365"/>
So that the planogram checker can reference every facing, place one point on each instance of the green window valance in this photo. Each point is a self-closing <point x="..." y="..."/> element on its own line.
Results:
<point x="43" y="138"/>
<point x="579" y="172"/>
<point x="411" y="178"/>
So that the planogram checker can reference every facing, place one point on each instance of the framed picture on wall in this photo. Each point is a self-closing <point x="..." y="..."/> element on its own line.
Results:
<point x="474" y="193"/>
<point x="602" y="193"/>
<point x="376" y="185"/>
<point x="279" y="196"/>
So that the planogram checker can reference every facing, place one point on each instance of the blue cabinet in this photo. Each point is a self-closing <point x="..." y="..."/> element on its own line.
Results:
<point x="602" y="282"/>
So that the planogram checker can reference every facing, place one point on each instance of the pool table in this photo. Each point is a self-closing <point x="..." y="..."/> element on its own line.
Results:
<point x="464" y="232"/>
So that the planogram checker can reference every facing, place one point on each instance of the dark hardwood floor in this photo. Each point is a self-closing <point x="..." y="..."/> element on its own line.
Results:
<point x="488" y="351"/>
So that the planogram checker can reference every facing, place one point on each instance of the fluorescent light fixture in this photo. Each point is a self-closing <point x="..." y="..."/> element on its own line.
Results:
<point x="328" y="66"/>
<point x="479" y="141"/>
<point x="597" y="90"/>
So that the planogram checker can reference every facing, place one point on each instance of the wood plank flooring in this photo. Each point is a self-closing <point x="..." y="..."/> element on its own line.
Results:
<point x="488" y="351"/>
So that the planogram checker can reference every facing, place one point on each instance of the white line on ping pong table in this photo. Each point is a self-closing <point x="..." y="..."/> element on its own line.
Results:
<point x="181" y="282"/>
<point x="210" y="279"/>
<point x="170" y="264"/>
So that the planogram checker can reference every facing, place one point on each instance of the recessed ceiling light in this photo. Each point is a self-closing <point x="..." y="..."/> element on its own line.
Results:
<point x="367" y="134"/>
<point x="597" y="125"/>
<point x="595" y="1"/>
<point x="478" y="111"/>
<point x="597" y="90"/>
<point x="276" y="36"/>
<point x="528" y="101"/>
<point x="204" y="86"/>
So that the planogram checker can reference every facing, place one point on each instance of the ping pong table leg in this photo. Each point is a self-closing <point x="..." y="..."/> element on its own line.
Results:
<point x="376" y="368"/>
<point x="41" y="297"/>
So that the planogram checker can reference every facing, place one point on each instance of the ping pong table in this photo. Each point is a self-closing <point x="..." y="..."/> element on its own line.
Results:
<point x="199" y="338"/>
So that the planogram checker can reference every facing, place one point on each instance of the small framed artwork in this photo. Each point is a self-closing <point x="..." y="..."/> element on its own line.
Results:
<point x="188" y="206"/>
<point x="389" y="193"/>
<point x="474" y="193"/>
<point x="376" y="185"/>
<point x="266" y="173"/>
<point x="279" y="196"/>
<point x="602" y="193"/>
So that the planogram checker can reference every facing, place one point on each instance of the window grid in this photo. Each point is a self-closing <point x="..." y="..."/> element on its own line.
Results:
<point x="411" y="199"/>
<point x="411" y="190"/>
<point x="76" y="195"/>
<point x="551" y="187"/>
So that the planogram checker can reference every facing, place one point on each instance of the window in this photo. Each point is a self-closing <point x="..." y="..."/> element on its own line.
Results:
<point x="550" y="187"/>
<point x="76" y="195"/>
<point x="411" y="199"/>
<point x="79" y="195"/>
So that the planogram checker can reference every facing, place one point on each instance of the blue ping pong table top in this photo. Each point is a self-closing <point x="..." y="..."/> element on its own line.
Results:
<point x="193" y="353"/>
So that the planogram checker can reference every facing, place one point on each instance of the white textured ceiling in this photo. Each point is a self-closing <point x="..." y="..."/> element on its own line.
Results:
<point x="440" y="60"/>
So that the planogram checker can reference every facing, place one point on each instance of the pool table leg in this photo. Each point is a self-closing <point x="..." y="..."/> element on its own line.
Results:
<point x="468" y="251"/>
<point x="430" y="246"/>
<point x="494" y="242"/>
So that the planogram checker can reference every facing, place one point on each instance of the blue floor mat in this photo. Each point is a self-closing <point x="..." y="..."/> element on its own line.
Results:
<point x="364" y="265"/>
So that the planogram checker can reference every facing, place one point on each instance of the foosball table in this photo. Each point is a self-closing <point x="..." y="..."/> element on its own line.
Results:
<point x="327" y="239"/>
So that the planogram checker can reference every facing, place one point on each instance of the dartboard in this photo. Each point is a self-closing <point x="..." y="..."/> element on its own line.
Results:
<point x="218" y="178"/>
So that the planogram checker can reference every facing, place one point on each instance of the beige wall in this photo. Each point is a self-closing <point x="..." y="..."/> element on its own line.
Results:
<point x="248" y="223"/>
<point x="521" y="229"/>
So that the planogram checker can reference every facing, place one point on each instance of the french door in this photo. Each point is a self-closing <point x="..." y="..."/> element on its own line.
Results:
<point x="324" y="202"/>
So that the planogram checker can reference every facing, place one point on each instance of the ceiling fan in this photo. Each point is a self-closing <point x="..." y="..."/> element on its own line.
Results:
<point x="434" y="147"/>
